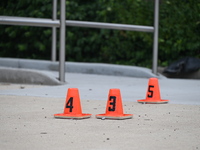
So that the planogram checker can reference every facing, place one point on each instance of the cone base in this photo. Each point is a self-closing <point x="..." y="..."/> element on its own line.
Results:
<point x="117" y="117"/>
<point x="70" y="116"/>
<point x="144" y="101"/>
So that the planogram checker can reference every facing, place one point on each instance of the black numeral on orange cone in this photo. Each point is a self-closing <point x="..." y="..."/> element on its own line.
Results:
<point x="112" y="103"/>
<point x="69" y="104"/>
<point x="150" y="91"/>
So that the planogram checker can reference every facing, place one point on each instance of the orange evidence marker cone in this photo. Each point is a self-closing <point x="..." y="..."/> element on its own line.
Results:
<point x="153" y="93"/>
<point x="114" y="108"/>
<point x="72" y="108"/>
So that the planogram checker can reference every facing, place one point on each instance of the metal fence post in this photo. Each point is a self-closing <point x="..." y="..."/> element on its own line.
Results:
<point x="53" y="46"/>
<point x="62" y="41"/>
<point x="155" y="42"/>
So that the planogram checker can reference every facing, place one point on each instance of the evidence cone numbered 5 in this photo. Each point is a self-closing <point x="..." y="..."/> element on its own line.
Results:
<point x="153" y="93"/>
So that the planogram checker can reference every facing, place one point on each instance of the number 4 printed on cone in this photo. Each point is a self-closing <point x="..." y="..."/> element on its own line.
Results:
<point x="69" y="104"/>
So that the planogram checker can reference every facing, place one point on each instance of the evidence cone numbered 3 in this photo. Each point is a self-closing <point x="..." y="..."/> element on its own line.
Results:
<point x="114" y="109"/>
<point x="153" y="93"/>
<point x="72" y="107"/>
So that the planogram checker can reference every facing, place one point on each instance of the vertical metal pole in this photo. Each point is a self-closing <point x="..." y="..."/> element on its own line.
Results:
<point x="155" y="43"/>
<point x="53" y="46"/>
<point x="62" y="41"/>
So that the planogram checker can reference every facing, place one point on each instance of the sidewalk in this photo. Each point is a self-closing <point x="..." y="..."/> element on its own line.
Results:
<point x="96" y="87"/>
<point x="95" y="80"/>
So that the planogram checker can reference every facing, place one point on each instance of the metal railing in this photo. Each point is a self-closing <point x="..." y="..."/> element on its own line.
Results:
<point x="62" y="23"/>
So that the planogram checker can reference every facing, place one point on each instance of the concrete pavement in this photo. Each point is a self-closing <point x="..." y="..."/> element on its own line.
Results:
<point x="27" y="122"/>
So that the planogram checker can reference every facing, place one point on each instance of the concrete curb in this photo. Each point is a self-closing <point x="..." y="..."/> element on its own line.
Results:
<point x="26" y="76"/>
<point x="73" y="67"/>
<point x="34" y="76"/>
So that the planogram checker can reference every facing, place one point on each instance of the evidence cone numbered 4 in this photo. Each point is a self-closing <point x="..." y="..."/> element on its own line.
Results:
<point x="72" y="107"/>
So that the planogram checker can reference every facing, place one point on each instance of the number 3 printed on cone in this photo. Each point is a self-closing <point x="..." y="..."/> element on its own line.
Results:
<point x="112" y="103"/>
